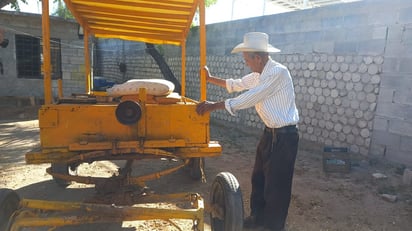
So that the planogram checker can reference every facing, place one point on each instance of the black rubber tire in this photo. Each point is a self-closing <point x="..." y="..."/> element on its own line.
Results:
<point x="227" y="195"/>
<point x="61" y="168"/>
<point x="9" y="203"/>
<point x="196" y="166"/>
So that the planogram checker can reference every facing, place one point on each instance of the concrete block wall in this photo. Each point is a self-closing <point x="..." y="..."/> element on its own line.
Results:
<point x="392" y="134"/>
<point x="336" y="95"/>
<point x="364" y="49"/>
<point x="350" y="65"/>
<point x="72" y="55"/>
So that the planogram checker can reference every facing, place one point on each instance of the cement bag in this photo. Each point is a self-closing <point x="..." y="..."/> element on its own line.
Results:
<point x="156" y="87"/>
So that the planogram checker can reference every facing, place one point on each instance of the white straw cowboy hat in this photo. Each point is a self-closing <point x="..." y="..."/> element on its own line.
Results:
<point x="255" y="42"/>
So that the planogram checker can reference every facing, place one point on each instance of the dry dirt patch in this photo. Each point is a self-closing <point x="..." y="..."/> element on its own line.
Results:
<point x="320" y="201"/>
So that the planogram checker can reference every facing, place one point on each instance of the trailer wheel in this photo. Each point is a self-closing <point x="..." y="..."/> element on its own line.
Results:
<point x="9" y="203"/>
<point x="196" y="167"/>
<point x="61" y="168"/>
<point x="227" y="203"/>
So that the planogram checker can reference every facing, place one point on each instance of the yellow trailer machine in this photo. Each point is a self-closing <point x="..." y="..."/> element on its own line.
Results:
<point x="96" y="126"/>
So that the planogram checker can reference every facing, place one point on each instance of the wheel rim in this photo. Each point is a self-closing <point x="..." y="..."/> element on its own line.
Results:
<point x="226" y="203"/>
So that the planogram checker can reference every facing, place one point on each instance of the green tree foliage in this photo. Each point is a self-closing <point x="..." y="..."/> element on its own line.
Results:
<point x="15" y="4"/>
<point x="210" y="2"/>
<point x="62" y="10"/>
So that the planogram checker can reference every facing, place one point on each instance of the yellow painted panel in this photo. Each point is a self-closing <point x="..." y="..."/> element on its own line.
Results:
<point x="170" y="125"/>
<point x="178" y="121"/>
<point x="49" y="117"/>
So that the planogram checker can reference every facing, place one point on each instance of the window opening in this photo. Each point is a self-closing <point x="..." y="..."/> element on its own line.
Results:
<point x="29" y="55"/>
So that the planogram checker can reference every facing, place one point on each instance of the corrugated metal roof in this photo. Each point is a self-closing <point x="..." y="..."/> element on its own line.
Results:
<point x="159" y="22"/>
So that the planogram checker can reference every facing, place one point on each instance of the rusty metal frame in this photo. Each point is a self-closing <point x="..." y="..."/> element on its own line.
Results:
<point x="32" y="212"/>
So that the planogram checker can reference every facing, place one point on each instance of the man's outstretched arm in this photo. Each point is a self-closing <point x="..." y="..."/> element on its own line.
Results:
<point x="214" y="79"/>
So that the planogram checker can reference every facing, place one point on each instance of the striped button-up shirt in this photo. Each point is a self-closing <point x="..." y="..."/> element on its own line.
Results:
<point x="271" y="92"/>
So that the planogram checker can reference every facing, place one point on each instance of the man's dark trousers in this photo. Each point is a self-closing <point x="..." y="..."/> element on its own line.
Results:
<point x="272" y="176"/>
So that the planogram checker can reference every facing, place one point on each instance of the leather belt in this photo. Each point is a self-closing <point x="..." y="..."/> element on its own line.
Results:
<point x="285" y="129"/>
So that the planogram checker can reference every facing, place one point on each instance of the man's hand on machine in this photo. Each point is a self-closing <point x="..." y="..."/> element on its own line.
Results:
<point x="208" y="106"/>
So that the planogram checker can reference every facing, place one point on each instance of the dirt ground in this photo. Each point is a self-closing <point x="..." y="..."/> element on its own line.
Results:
<point x="320" y="201"/>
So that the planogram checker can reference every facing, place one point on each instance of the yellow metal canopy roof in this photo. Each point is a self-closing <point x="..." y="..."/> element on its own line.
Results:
<point x="152" y="21"/>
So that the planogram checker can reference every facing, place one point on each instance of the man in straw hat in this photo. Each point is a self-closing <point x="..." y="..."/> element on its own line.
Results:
<point x="270" y="89"/>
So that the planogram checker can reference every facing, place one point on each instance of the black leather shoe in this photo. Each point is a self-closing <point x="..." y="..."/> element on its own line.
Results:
<point x="252" y="222"/>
